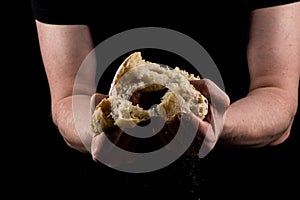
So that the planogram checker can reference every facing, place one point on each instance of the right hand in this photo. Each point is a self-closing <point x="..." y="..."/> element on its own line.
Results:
<point x="210" y="128"/>
<point x="103" y="143"/>
<point x="207" y="130"/>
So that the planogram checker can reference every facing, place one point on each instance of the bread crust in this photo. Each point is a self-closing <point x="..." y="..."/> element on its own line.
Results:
<point x="134" y="59"/>
<point x="107" y="112"/>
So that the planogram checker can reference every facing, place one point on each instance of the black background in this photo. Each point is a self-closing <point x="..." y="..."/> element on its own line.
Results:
<point x="39" y="164"/>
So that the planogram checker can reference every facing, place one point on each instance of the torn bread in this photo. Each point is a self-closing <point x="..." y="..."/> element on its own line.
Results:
<point x="136" y="74"/>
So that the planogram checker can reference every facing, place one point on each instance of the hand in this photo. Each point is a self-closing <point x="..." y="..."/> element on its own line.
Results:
<point x="103" y="143"/>
<point x="103" y="146"/>
<point x="207" y="130"/>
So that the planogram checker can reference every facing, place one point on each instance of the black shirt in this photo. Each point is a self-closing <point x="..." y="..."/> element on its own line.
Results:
<point x="221" y="28"/>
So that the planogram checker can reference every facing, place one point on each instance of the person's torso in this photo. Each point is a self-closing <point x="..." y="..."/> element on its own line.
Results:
<point x="219" y="27"/>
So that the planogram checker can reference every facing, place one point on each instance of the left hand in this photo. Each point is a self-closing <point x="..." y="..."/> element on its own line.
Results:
<point x="207" y="130"/>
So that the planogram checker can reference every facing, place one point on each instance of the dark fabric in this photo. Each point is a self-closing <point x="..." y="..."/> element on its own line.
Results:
<point x="61" y="12"/>
<point x="78" y="11"/>
<point x="256" y="4"/>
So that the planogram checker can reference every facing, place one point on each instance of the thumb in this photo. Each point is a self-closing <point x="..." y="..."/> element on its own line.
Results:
<point x="213" y="92"/>
<point x="96" y="98"/>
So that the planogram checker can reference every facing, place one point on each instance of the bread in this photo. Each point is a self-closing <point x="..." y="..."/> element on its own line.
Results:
<point x="136" y="74"/>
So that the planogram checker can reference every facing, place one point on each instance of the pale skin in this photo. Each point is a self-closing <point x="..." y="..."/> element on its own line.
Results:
<point x="263" y="117"/>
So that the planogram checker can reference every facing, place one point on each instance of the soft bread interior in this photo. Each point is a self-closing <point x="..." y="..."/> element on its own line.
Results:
<point x="101" y="118"/>
<point x="117" y="112"/>
<point x="133" y="60"/>
<point x="137" y="74"/>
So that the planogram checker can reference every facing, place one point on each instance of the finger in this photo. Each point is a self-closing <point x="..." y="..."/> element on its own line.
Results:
<point x="124" y="141"/>
<point x="186" y="132"/>
<point x="214" y="93"/>
<point x="201" y="86"/>
<point x="106" y="140"/>
<point x="192" y="123"/>
<point x="96" y="98"/>
<point x="217" y="95"/>
<point x="217" y="122"/>
<point x="100" y="146"/>
<point x="219" y="102"/>
<point x="135" y="98"/>
<point x="113" y="134"/>
<point x="104" y="151"/>
<point x="213" y="133"/>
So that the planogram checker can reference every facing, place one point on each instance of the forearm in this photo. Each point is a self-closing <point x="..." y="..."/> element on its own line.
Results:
<point x="64" y="48"/>
<point x="265" y="115"/>
<point x="262" y="118"/>
<point x="74" y="130"/>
